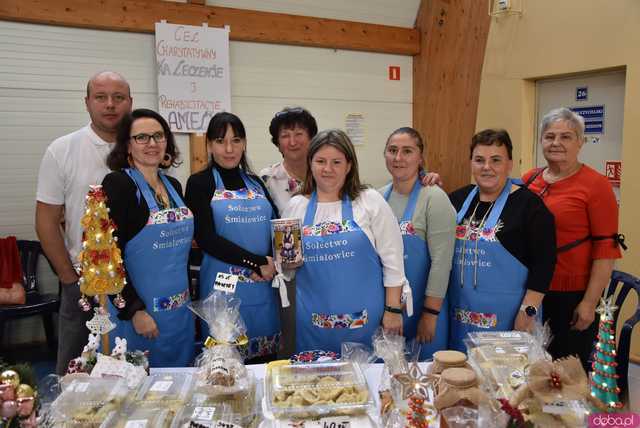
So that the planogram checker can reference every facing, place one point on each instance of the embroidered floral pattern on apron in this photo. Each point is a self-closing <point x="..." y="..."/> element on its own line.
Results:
<point x="406" y="228"/>
<point x="170" y="302"/>
<point x="471" y="233"/>
<point x="171" y="215"/>
<point x="477" y="319"/>
<point x="329" y="228"/>
<point x="353" y="320"/>
<point x="245" y="193"/>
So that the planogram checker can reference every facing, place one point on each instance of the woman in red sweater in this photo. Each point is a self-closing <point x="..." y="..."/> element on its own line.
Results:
<point x="586" y="218"/>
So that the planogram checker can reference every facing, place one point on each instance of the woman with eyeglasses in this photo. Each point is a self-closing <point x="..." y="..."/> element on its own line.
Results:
<point x="505" y="246"/>
<point x="154" y="230"/>
<point x="233" y="212"/>
<point x="586" y="218"/>
<point x="427" y="222"/>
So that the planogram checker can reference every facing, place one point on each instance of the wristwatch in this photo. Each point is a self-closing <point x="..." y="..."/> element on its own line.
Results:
<point x="530" y="310"/>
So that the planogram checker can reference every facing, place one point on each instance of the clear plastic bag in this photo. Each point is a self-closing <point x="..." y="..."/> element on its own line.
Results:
<point x="220" y="366"/>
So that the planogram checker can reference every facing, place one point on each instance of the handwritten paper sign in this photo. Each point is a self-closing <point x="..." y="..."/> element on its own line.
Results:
<point x="193" y="75"/>
<point x="225" y="282"/>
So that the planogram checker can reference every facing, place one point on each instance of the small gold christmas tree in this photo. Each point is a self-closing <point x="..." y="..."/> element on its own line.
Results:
<point x="100" y="258"/>
<point x="101" y="266"/>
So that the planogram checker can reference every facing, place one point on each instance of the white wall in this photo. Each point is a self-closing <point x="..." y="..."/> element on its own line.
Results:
<point x="43" y="76"/>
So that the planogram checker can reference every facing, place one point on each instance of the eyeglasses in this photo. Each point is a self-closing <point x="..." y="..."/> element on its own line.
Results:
<point x="143" y="138"/>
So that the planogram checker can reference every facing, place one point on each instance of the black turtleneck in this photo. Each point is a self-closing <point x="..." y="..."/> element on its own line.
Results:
<point x="200" y="189"/>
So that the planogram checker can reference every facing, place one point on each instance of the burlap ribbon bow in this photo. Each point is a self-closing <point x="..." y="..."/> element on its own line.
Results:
<point x="549" y="381"/>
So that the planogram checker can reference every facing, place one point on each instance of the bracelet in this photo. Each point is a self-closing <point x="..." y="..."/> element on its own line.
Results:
<point x="430" y="311"/>
<point x="392" y="309"/>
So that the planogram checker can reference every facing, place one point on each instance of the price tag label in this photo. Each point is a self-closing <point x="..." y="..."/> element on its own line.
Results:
<point x="225" y="282"/>
<point x="330" y="422"/>
<point x="203" y="413"/>
<point x="161" y="386"/>
<point x="137" y="423"/>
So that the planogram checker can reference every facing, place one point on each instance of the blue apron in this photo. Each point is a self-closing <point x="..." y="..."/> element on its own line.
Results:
<point x="156" y="262"/>
<point x="339" y="288"/>
<point x="487" y="282"/>
<point x="417" y="263"/>
<point x="244" y="218"/>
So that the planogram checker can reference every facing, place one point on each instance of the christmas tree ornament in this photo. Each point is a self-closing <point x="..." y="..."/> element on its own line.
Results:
<point x="415" y="388"/>
<point x="24" y="391"/>
<point x="119" y="302"/>
<point x="603" y="379"/>
<point x="10" y="377"/>
<point x="101" y="322"/>
<point x="17" y="400"/>
<point x="8" y="409"/>
<point x="84" y="304"/>
<point x="7" y="392"/>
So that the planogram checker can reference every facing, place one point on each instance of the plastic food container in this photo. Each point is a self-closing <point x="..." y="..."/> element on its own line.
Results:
<point x="319" y="389"/>
<point x="144" y="417"/>
<point x="166" y="387"/>
<point x="240" y="407"/>
<point x="501" y="358"/>
<point x="88" y="402"/>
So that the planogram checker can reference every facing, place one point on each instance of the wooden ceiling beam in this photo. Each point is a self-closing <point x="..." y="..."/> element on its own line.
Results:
<point x="140" y="16"/>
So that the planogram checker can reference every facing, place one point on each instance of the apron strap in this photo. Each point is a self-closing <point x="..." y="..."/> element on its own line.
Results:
<point x="310" y="213"/>
<point x="143" y="187"/>
<point x="411" y="204"/>
<point x="497" y="208"/>
<point x="175" y="196"/>
<point x="494" y="215"/>
<point x="347" y="209"/>
<point x="465" y="205"/>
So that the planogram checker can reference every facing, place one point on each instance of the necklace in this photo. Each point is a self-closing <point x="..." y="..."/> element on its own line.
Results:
<point x="474" y="230"/>
<point x="161" y="197"/>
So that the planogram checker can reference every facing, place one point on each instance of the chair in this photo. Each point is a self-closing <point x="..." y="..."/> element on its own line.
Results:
<point x="36" y="303"/>
<point x="624" y="283"/>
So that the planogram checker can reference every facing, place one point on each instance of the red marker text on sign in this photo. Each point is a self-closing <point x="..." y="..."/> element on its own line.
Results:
<point x="394" y="72"/>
